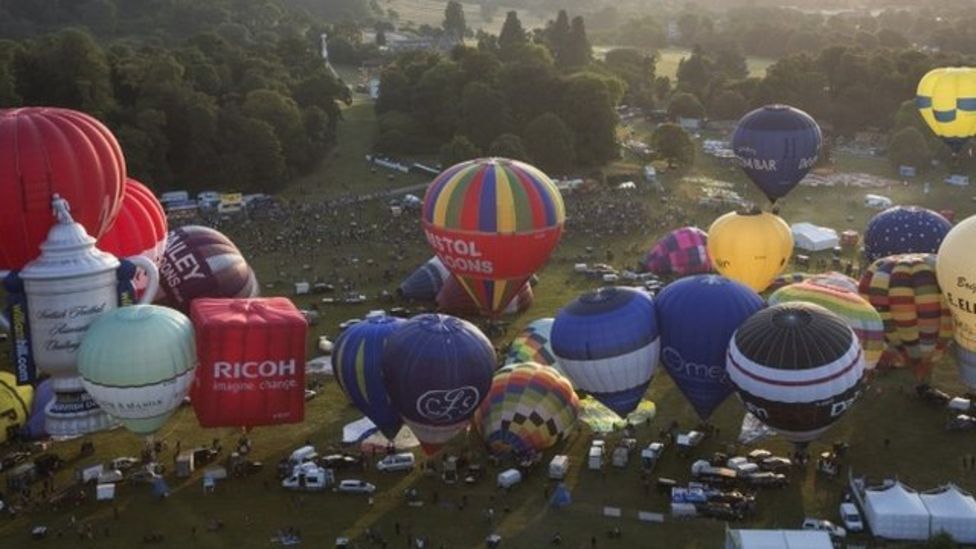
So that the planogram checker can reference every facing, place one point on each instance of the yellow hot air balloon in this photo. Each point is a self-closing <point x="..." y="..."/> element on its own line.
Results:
<point x="956" y="271"/>
<point x="946" y="98"/>
<point x="15" y="404"/>
<point x="751" y="247"/>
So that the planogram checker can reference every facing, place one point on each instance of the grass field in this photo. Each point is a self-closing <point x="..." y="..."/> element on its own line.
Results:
<point x="431" y="12"/>
<point x="668" y="59"/>
<point x="921" y="452"/>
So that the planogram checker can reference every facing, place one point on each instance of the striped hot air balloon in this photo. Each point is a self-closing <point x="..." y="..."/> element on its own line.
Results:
<point x="946" y="99"/>
<point x="681" y="252"/>
<point x="532" y="344"/>
<point x="477" y="213"/>
<point x="855" y="310"/>
<point x="608" y="344"/>
<point x="453" y="300"/>
<point x="918" y="324"/>
<point x="529" y="408"/>
<point x="797" y="367"/>
<point x="424" y="283"/>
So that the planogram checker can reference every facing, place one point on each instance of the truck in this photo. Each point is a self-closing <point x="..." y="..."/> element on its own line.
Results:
<point x="558" y="467"/>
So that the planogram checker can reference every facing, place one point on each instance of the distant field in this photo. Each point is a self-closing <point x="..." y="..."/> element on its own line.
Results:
<point x="431" y="12"/>
<point x="668" y="59"/>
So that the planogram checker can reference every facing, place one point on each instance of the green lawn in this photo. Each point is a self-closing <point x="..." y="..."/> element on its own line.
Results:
<point x="668" y="59"/>
<point x="921" y="452"/>
<point x="431" y="12"/>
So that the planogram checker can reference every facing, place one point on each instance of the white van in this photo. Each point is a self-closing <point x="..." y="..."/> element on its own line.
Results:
<point x="595" y="462"/>
<point x="397" y="462"/>
<point x="303" y="455"/>
<point x="509" y="478"/>
<point x="558" y="467"/>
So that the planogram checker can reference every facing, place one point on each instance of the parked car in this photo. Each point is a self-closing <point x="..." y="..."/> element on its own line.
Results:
<point x="148" y="473"/>
<point x="767" y="478"/>
<point x="397" y="462"/>
<point x="775" y="464"/>
<point x="339" y="461"/>
<point x="123" y="463"/>
<point x="758" y="455"/>
<point x="851" y="517"/>
<point x="721" y="511"/>
<point x="836" y="532"/>
<point x="355" y="486"/>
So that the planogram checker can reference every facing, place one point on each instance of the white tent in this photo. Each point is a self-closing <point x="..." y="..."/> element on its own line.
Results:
<point x="357" y="430"/>
<point x="777" y="539"/>
<point x="896" y="512"/>
<point x="953" y="512"/>
<point x="319" y="365"/>
<point x="813" y="238"/>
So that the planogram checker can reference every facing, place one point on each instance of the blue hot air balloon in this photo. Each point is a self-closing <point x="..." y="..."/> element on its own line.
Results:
<point x="437" y="370"/>
<point x="698" y="316"/>
<point x="904" y="229"/>
<point x="776" y="146"/>
<point x="357" y="363"/>
<point x="607" y="343"/>
<point x="426" y="282"/>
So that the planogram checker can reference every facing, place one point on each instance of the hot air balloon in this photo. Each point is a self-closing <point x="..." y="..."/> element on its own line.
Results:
<point x="139" y="229"/>
<point x="851" y="307"/>
<point x="359" y="370"/>
<point x="201" y="262"/>
<point x="437" y="370"/>
<point x="15" y="404"/>
<point x="46" y="151"/>
<point x="424" y="283"/>
<point x="35" y="429"/>
<point x="607" y="342"/>
<point x="797" y="367"/>
<point x="698" y="316"/>
<point x="137" y="363"/>
<point x="902" y="230"/>
<point x="681" y="252"/>
<point x="475" y="213"/>
<point x="251" y="355"/>
<point x="946" y="98"/>
<point x="833" y="279"/>
<point x="529" y="408"/>
<point x="453" y="300"/>
<point x="956" y="269"/>
<point x="776" y="146"/>
<point x="905" y="292"/>
<point x="532" y="345"/>
<point x="751" y="248"/>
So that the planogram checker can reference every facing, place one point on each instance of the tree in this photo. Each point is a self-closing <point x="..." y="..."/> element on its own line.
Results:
<point x="587" y="109"/>
<point x="647" y="33"/>
<point x="727" y="105"/>
<point x="484" y="114"/>
<point x="577" y="52"/>
<point x="394" y="91"/>
<point x="888" y="38"/>
<point x="695" y="72"/>
<point x="458" y="150"/>
<point x="908" y="147"/>
<point x="508" y="145"/>
<point x="673" y="144"/>
<point x="454" y="24"/>
<point x="557" y="34"/>
<point x="685" y="105"/>
<point x="511" y="36"/>
<point x="549" y="143"/>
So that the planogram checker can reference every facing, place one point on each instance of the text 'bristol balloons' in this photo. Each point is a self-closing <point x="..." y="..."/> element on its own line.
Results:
<point x="797" y="367"/>
<point x="15" y="403"/>
<point x="437" y="370"/>
<point x="453" y="300"/>
<point x="946" y="99"/>
<point x="424" y="283"/>
<point x="751" y="247"/>
<point x="905" y="291"/>
<point x="251" y="355"/>
<point x="201" y="262"/>
<point x="137" y="363"/>
<point x="46" y="151"/>
<point x="854" y="309"/>
<point x="904" y="229"/>
<point x="477" y="212"/>
<point x="607" y="342"/>
<point x="529" y="408"/>
<point x="357" y="363"/>
<point x="681" y="252"/>
<point x="776" y="146"/>
<point x="698" y="316"/>
<point x="532" y="345"/>
<point x="956" y="269"/>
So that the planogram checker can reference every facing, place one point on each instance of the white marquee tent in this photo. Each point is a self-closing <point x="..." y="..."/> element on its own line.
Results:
<point x="952" y="511"/>
<point x="777" y="539"/>
<point x="896" y="512"/>
<point x="813" y="238"/>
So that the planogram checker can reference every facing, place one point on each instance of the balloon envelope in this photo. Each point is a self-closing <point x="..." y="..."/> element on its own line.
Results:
<point x="946" y="99"/>
<point x="607" y="342"/>
<point x="454" y="300"/>
<point x="139" y="229"/>
<point x="529" y="408"/>
<point x="475" y="213"/>
<point x="424" y="283"/>
<point x="532" y="344"/>
<point x="698" y="316"/>
<point x="35" y="427"/>
<point x="681" y="252"/>
<point x="797" y="367"/>
<point x="904" y="229"/>
<point x="751" y="248"/>
<point x="957" y="278"/>
<point x="437" y="370"/>
<point x="776" y="146"/>
<point x="357" y="363"/>
<point x="15" y="402"/>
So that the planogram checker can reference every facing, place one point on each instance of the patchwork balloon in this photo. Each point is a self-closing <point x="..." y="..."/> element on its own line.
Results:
<point x="532" y="344"/>
<point x="681" y="252"/>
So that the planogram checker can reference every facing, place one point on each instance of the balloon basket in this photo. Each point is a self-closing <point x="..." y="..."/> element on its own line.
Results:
<point x="75" y="413"/>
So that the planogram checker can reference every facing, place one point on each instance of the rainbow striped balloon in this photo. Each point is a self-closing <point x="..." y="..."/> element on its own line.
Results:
<point x="529" y="408"/>
<point x="852" y="308"/>
<point x="493" y="222"/>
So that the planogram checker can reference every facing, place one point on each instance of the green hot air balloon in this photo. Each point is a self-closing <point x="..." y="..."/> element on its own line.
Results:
<point x="137" y="363"/>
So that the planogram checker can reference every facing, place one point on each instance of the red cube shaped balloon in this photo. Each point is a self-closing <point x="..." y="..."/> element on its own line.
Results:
<point x="251" y="355"/>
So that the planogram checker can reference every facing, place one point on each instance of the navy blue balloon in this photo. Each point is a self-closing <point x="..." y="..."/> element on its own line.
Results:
<point x="35" y="427"/>
<point x="698" y="316"/>
<point x="357" y="364"/>
<point x="776" y="146"/>
<point x="437" y="370"/>
<point x="904" y="229"/>
<point x="426" y="282"/>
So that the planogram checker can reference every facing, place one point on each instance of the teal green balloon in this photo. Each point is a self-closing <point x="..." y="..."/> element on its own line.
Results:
<point x="137" y="363"/>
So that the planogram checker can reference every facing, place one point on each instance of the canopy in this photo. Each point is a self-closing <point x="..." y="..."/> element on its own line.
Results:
<point x="896" y="512"/>
<point x="808" y="236"/>
<point x="357" y="430"/>
<point x="777" y="539"/>
<point x="952" y="511"/>
<point x="403" y="441"/>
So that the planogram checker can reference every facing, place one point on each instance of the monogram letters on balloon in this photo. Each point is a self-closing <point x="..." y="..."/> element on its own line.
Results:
<point x="448" y="406"/>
